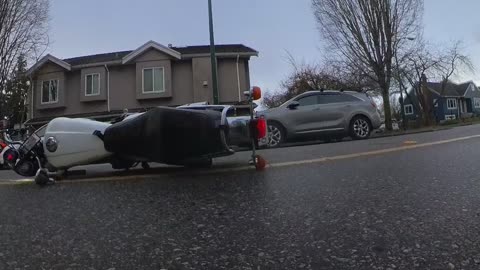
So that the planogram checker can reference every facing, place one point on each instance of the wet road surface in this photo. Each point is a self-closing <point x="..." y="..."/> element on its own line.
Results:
<point x="412" y="209"/>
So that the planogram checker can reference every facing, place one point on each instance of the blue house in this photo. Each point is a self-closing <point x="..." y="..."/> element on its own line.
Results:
<point x="449" y="101"/>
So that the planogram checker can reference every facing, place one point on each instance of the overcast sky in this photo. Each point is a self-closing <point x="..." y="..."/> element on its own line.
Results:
<point x="272" y="27"/>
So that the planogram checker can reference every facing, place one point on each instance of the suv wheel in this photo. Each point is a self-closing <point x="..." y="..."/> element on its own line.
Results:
<point x="276" y="135"/>
<point x="360" y="128"/>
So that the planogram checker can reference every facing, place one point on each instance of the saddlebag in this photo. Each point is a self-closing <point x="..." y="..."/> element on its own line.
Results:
<point x="167" y="135"/>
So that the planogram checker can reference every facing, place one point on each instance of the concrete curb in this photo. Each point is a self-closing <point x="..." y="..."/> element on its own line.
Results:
<point x="394" y="134"/>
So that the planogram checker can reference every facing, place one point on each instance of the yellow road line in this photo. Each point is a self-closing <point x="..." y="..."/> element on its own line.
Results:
<point x="246" y="168"/>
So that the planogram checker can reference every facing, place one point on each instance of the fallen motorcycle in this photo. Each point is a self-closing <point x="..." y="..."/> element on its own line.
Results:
<point x="184" y="136"/>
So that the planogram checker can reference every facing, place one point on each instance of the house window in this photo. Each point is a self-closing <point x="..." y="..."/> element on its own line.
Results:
<point x="409" y="109"/>
<point x="153" y="80"/>
<point x="49" y="93"/>
<point x="476" y="102"/>
<point x="450" y="117"/>
<point x="451" y="104"/>
<point x="92" y="84"/>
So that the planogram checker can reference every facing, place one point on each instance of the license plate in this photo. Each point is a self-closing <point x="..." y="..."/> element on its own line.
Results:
<point x="30" y="143"/>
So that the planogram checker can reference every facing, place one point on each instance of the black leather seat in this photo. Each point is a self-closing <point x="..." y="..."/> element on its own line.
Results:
<point x="166" y="135"/>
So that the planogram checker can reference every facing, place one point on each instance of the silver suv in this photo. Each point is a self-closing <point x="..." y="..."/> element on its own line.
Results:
<point x="326" y="114"/>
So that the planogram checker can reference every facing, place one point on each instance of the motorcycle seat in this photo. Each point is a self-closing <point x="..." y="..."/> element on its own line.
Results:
<point x="166" y="135"/>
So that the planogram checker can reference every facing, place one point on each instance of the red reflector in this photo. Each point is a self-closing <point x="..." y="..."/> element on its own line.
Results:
<point x="10" y="157"/>
<point x="261" y="128"/>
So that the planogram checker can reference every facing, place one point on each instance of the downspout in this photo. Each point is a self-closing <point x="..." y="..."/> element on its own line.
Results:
<point x="238" y="81"/>
<point x="32" y="98"/>
<point x="108" y="87"/>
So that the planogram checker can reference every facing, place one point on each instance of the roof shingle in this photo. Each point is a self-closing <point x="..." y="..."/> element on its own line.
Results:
<point x="451" y="89"/>
<point x="202" y="49"/>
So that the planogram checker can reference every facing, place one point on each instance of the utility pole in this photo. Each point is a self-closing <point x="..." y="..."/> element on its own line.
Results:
<point x="213" y="57"/>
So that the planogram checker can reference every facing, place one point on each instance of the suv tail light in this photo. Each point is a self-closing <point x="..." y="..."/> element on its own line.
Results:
<point x="373" y="104"/>
<point x="261" y="128"/>
<point x="258" y="128"/>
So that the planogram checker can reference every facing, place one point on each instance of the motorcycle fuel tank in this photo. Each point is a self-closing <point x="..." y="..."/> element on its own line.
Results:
<point x="70" y="142"/>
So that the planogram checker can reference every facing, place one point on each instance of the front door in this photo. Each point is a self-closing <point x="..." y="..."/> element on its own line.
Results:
<point x="305" y="117"/>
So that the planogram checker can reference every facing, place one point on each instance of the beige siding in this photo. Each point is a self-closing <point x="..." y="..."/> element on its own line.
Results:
<point x="182" y="77"/>
<point x="122" y="87"/>
<point x="73" y="94"/>
<point x="50" y="68"/>
<point x="152" y="55"/>
<point x="184" y="83"/>
<point x="202" y="72"/>
<point x="229" y="82"/>
<point x="167" y="73"/>
<point x="103" y="84"/>
<point x="60" y="76"/>
<point x="69" y="95"/>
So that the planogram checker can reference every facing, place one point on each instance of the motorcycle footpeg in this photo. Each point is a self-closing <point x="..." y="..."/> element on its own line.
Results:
<point x="42" y="178"/>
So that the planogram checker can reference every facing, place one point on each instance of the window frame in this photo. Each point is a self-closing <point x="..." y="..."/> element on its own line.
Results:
<point x="475" y="99"/>
<point x="406" y="111"/>
<point x="49" y="93"/>
<point x="307" y="96"/>
<point x="86" y="85"/>
<point x="339" y="96"/>
<point x="451" y="107"/>
<point x="153" y="80"/>
<point x="449" y="117"/>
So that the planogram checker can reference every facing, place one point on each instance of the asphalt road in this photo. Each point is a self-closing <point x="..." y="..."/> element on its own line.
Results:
<point x="378" y="204"/>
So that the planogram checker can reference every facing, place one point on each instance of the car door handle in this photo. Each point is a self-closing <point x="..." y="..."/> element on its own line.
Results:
<point x="315" y="110"/>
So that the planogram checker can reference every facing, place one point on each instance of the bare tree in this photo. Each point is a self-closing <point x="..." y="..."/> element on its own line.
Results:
<point x="307" y="77"/>
<point x="23" y="32"/>
<point x="453" y="63"/>
<point x="366" y="34"/>
<point x="429" y="62"/>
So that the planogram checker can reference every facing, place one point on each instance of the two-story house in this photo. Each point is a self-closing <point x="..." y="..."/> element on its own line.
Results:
<point x="102" y="86"/>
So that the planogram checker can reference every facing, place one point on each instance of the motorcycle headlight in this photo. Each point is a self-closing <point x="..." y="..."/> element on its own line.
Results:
<point x="51" y="144"/>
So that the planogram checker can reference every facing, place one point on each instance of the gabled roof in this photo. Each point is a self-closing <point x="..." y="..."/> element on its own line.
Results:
<point x="184" y="51"/>
<point x="122" y="57"/>
<point x="49" y="58"/>
<point x="451" y="89"/>
<point x="220" y="49"/>
<point x="97" y="58"/>
<point x="151" y="45"/>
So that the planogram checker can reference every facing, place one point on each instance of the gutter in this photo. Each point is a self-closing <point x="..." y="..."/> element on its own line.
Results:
<point x="32" y="101"/>
<point x="238" y="80"/>
<point x="226" y="55"/>
<point x="110" y="63"/>
<point x="108" y="87"/>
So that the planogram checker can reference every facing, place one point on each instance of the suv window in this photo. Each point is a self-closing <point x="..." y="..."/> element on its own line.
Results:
<point x="308" y="100"/>
<point x="336" y="98"/>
